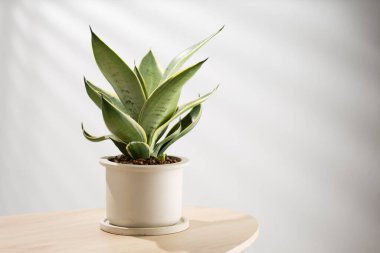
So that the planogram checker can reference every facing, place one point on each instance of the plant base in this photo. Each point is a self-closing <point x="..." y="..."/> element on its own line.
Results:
<point x="182" y="225"/>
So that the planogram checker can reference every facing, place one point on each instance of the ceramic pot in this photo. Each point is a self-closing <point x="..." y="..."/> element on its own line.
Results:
<point x="143" y="196"/>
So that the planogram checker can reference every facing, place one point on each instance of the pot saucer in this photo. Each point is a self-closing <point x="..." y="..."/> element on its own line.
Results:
<point x="181" y="225"/>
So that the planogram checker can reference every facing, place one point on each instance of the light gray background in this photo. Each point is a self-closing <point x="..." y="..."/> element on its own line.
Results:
<point x="291" y="136"/>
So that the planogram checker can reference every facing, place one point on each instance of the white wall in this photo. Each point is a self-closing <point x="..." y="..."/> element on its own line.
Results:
<point x="292" y="135"/>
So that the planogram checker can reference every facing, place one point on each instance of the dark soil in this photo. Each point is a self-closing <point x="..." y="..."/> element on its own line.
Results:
<point x="151" y="161"/>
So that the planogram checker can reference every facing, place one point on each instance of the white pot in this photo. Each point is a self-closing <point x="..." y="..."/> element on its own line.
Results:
<point x="143" y="195"/>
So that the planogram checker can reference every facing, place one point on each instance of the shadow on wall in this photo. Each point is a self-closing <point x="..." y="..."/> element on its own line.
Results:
<point x="40" y="81"/>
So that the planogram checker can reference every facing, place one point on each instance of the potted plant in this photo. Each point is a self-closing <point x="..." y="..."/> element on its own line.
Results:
<point x="144" y="185"/>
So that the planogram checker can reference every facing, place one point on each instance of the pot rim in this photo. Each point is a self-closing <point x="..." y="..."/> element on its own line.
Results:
<point x="136" y="167"/>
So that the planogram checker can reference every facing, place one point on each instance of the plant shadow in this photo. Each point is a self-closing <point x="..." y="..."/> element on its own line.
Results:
<point x="218" y="235"/>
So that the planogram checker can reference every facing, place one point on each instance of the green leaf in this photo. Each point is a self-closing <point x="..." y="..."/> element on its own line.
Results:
<point x="163" y="102"/>
<point x="161" y="157"/>
<point x="96" y="93"/>
<point x="95" y="138"/>
<point x="151" y="72"/>
<point x="174" y="131"/>
<point x="141" y="79"/>
<point x="182" y="109"/>
<point x="182" y="57"/>
<point x="120" y="76"/>
<point x="138" y="150"/>
<point x="118" y="143"/>
<point x="121" y="124"/>
<point x="162" y="133"/>
<point x="186" y="125"/>
<point x="121" y="146"/>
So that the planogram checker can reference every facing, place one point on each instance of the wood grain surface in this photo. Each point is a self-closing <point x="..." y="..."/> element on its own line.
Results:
<point x="211" y="230"/>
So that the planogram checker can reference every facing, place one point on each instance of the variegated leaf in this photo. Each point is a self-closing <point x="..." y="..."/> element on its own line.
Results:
<point x="182" y="109"/>
<point x="174" y="131"/>
<point x="141" y="80"/>
<point x="182" y="57"/>
<point x="186" y="125"/>
<point x="151" y="73"/>
<point x="118" y="143"/>
<point x="120" y="76"/>
<point x="96" y="93"/>
<point x="121" y="124"/>
<point x="138" y="150"/>
<point x="163" y="102"/>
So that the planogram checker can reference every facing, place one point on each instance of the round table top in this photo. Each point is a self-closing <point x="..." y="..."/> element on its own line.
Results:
<point x="211" y="230"/>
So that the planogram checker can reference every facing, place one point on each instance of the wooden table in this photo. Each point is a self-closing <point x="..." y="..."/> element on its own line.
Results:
<point x="211" y="230"/>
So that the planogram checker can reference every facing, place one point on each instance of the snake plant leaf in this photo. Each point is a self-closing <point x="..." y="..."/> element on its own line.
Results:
<point x="186" y="125"/>
<point x="182" y="57"/>
<point x="151" y="72"/>
<point x="181" y="110"/>
<point x="118" y="143"/>
<point x="141" y="80"/>
<point x="119" y="75"/>
<point x="96" y="93"/>
<point x="163" y="102"/>
<point x="162" y="133"/>
<point x="120" y="124"/>
<point x="138" y="150"/>
<point x="174" y="131"/>
<point x="94" y="138"/>
<point x="121" y="146"/>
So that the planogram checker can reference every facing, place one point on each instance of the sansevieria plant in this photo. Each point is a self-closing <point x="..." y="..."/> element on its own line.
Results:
<point x="142" y="113"/>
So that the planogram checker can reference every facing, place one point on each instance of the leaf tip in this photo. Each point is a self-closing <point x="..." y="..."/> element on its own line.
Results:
<point x="93" y="35"/>
<point x="150" y="53"/>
